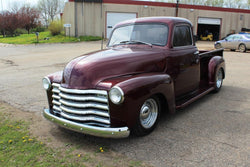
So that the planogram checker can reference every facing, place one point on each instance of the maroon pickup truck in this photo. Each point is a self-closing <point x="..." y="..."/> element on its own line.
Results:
<point x="151" y="65"/>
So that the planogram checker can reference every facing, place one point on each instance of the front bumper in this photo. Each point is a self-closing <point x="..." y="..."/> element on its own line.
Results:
<point x="121" y="132"/>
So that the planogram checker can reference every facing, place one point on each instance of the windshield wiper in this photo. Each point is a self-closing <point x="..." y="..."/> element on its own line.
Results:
<point x="135" y="41"/>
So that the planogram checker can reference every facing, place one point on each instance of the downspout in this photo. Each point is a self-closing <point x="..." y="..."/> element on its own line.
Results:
<point x="76" y="25"/>
<point x="102" y="25"/>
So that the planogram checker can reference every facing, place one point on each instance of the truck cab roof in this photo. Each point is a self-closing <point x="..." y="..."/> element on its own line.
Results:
<point x="166" y="20"/>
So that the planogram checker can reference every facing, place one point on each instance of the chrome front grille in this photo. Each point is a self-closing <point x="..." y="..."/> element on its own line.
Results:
<point x="82" y="106"/>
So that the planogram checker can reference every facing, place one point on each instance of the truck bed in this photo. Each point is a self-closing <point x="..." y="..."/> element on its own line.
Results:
<point x="204" y="88"/>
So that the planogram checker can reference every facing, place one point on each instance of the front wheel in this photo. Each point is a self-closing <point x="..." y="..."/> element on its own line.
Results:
<point x="218" y="80"/>
<point x="148" y="117"/>
<point x="218" y="46"/>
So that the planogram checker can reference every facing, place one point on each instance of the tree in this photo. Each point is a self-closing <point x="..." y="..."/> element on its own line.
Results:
<point x="9" y="22"/>
<point x="50" y="9"/>
<point x="234" y="3"/>
<point x="29" y="17"/>
<point x="217" y="3"/>
<point x="1" y="25"/>
<point x="193" y="2"/>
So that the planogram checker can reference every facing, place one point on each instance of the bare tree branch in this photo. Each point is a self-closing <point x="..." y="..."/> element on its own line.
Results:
<point x="50" y="9"/>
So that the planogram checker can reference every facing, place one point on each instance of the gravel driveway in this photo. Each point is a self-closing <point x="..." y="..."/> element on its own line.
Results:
<point x="214" y="131"/>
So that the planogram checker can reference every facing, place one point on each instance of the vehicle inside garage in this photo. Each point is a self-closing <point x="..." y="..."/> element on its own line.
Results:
<point x="205" y="29"/>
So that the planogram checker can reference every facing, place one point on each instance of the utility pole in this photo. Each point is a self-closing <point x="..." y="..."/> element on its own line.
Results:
<point x="177" y="7"/>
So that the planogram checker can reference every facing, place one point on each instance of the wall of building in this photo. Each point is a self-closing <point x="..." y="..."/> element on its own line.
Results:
<point x="91" y="17"/>
<point x="69" y="17"/>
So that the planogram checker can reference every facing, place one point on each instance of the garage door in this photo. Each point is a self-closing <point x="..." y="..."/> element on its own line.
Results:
<point x="114" y="18"/>
<point x="211" y="21"/>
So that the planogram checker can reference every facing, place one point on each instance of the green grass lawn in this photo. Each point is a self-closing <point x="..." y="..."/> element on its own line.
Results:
<point x="31" y="38"/>
<point x="19" y="148"/>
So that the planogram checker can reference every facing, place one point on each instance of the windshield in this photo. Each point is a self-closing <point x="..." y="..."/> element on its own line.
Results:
<point x="147" y="34"/>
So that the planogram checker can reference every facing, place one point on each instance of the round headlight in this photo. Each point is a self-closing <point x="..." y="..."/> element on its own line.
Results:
<point x="116" y="95"/>
<point x="46" y="83"/>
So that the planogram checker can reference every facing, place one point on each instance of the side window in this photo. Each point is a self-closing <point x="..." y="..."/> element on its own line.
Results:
<point x="237" y="37"/>
<point x="229" y="37"/>
<point x="182" y="36"/>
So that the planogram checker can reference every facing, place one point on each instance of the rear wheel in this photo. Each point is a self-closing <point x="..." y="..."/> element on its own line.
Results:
<point x="218" y="80"/>
<point x="148" y="116"/>
<point x="242" y="48"/>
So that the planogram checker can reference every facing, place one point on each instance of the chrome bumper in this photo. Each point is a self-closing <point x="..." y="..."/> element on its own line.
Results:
<point x="121" y="132"/>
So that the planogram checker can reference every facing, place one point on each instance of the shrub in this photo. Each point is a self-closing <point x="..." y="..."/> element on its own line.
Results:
<point x="39" y="29"/>
<point x="21" y="31"/>
<point x="90" y="38"/>
<point x="55" y="27"/>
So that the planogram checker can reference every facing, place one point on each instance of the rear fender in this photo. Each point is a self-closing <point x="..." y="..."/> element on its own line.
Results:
<point x="214" y="65"/>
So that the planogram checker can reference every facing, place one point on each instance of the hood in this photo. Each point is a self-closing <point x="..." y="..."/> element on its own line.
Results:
<point x="87" y="71"/>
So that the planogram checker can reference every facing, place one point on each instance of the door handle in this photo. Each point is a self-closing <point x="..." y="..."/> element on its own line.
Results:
<point x="196" y="57"/>
<point x="196" y="52"/>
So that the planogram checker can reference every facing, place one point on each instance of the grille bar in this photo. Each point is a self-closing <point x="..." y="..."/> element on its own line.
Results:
<point x="83" y="98"/>
<point x="56" y="102"/>
<point x="55" y="90"/>
<point x="55" y="97"/>
<point x="57" y="108"/>
<point x="89" y="91"/>
<point x="85" y="118"/>
<point x="84" y="112"/>
<point x="85" y="106"/>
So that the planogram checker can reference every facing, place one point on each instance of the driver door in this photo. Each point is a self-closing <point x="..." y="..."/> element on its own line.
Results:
<point x="184" y="61"/>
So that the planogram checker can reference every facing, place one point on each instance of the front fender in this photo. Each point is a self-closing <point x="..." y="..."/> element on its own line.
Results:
<point x="136" y="90"/>
<point x="214" y="65"/>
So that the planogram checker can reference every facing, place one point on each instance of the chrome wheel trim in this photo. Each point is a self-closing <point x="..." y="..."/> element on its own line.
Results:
<point x="242" y="48"/>
<point x="148" y="113"/>
<point x="218" y="46"/>
<point x="219" y="78"/>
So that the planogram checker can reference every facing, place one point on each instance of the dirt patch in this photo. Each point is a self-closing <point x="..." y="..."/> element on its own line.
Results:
<point x="9" y="62"/>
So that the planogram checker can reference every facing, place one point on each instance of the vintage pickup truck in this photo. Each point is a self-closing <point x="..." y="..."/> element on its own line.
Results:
<point x="151" y="65"/>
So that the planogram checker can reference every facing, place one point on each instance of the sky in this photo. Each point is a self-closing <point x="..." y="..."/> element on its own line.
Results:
<point x="6" y="4"/>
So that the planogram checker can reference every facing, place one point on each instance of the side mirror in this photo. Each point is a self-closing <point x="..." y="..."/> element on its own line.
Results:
<point x="226" y="40"/>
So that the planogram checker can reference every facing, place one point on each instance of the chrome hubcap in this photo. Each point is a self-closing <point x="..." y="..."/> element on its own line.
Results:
<point x="218" y="46"/>
<point x="148" y="113"/>
<point x="242" y="48"/>
<point x="219" y="79"/>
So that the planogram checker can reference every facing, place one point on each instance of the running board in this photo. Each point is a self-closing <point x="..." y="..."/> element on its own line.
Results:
<point x="194" y="98"/>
